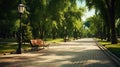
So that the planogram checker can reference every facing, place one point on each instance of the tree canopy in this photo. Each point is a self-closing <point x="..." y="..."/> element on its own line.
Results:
<point x="41" y="19"/>
<point x="108" y="11"/>
<point x="60" y="18"/>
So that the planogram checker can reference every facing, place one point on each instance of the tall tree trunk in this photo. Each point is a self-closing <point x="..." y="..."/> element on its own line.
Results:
<point x="42" y="31"/>
<point x="53" y="33"/>
<point x="112" y="17"/>
<point x="108" y="32"/>
<point x="104" y="32"/>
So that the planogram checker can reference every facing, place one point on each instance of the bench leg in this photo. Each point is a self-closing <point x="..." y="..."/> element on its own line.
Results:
<point x="34" y="48"/>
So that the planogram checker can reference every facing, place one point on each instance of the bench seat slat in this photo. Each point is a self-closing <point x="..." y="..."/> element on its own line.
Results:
<point x="38" y="43"/>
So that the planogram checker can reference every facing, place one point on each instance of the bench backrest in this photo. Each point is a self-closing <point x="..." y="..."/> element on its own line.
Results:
<point x="37" y="42"/>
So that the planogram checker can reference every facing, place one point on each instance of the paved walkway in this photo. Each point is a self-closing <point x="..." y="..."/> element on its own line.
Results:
<point x="79" y="53"/>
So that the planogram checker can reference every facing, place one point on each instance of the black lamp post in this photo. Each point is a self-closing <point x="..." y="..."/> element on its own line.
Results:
<point x="21" y="9"/>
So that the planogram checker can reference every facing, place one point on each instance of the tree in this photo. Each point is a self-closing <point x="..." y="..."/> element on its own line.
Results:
<point x="8" y="18"/>
<point x="26" y="32"/>
<point x="46" y="18"/>
<point x="95" y="25"/>
<point x="109" y="6"/>
<point x="73" y="19"/>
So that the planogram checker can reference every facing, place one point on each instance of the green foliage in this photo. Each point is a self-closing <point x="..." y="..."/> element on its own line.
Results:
<point x="41" y="19"/>
<point x="87" y="23"/>
<point x="27" y="33"/>
<point x="50" y="16"/>
<point x="46" y="18"/>
<point x="94" y="25"/>
<point x="109" y="13"/>
<point x="8" y="17"/>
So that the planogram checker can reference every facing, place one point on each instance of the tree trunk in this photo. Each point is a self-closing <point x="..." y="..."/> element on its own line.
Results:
<point x="108" y="32"/>
<point x="42" y="32"/>
<point x="112" y="17"/>
<point x="104" y="33"/>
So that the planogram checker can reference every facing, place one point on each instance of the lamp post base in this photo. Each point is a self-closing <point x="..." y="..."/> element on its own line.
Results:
<point x="19" y="51"/>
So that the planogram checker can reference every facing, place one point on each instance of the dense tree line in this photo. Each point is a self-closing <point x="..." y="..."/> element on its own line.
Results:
<point x="41" y="19"/>
<point x="60" y="18"/>
<point x="107" y="26"/>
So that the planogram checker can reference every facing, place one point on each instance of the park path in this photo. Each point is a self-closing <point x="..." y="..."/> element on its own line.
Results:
<point x="78" y="53"/>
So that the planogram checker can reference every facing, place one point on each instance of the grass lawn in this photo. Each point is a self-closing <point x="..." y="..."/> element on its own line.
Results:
<point x="54" y="40"/>
<point x="114" y="48"/>
<point x="10" y="45"/>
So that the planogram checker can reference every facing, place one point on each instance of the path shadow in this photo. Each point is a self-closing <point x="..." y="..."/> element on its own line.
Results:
<point x="65" y="57"/>
<point x="76" y="58"/>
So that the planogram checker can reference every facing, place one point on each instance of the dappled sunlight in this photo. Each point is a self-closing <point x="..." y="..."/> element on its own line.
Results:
<point x="17" y="57"/>
<point x="68" y="43"/>
<point x="64" y="26"/>
<point x="90" y="62"/>
<point x="61" y="56"/>
<point x="79" y="42"/>
<point x="55" y="58"/>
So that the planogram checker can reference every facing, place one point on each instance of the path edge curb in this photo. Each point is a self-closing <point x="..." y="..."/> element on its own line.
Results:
<point x="113" y="57"/>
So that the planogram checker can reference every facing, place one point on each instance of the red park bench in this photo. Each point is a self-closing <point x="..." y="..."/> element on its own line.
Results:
<point x="35" y="43"/>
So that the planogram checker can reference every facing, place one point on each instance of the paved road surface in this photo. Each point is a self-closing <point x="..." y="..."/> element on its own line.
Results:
<point x="79" y="53"/>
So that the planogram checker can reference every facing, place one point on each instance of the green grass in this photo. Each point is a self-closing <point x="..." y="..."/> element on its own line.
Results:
<point x="54" y="40"/>
<point x="114" y="48"/>
<point x="10" y="45"/>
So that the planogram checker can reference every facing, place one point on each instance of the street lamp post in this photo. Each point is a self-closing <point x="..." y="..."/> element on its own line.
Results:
<point x="21" y="9"/>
